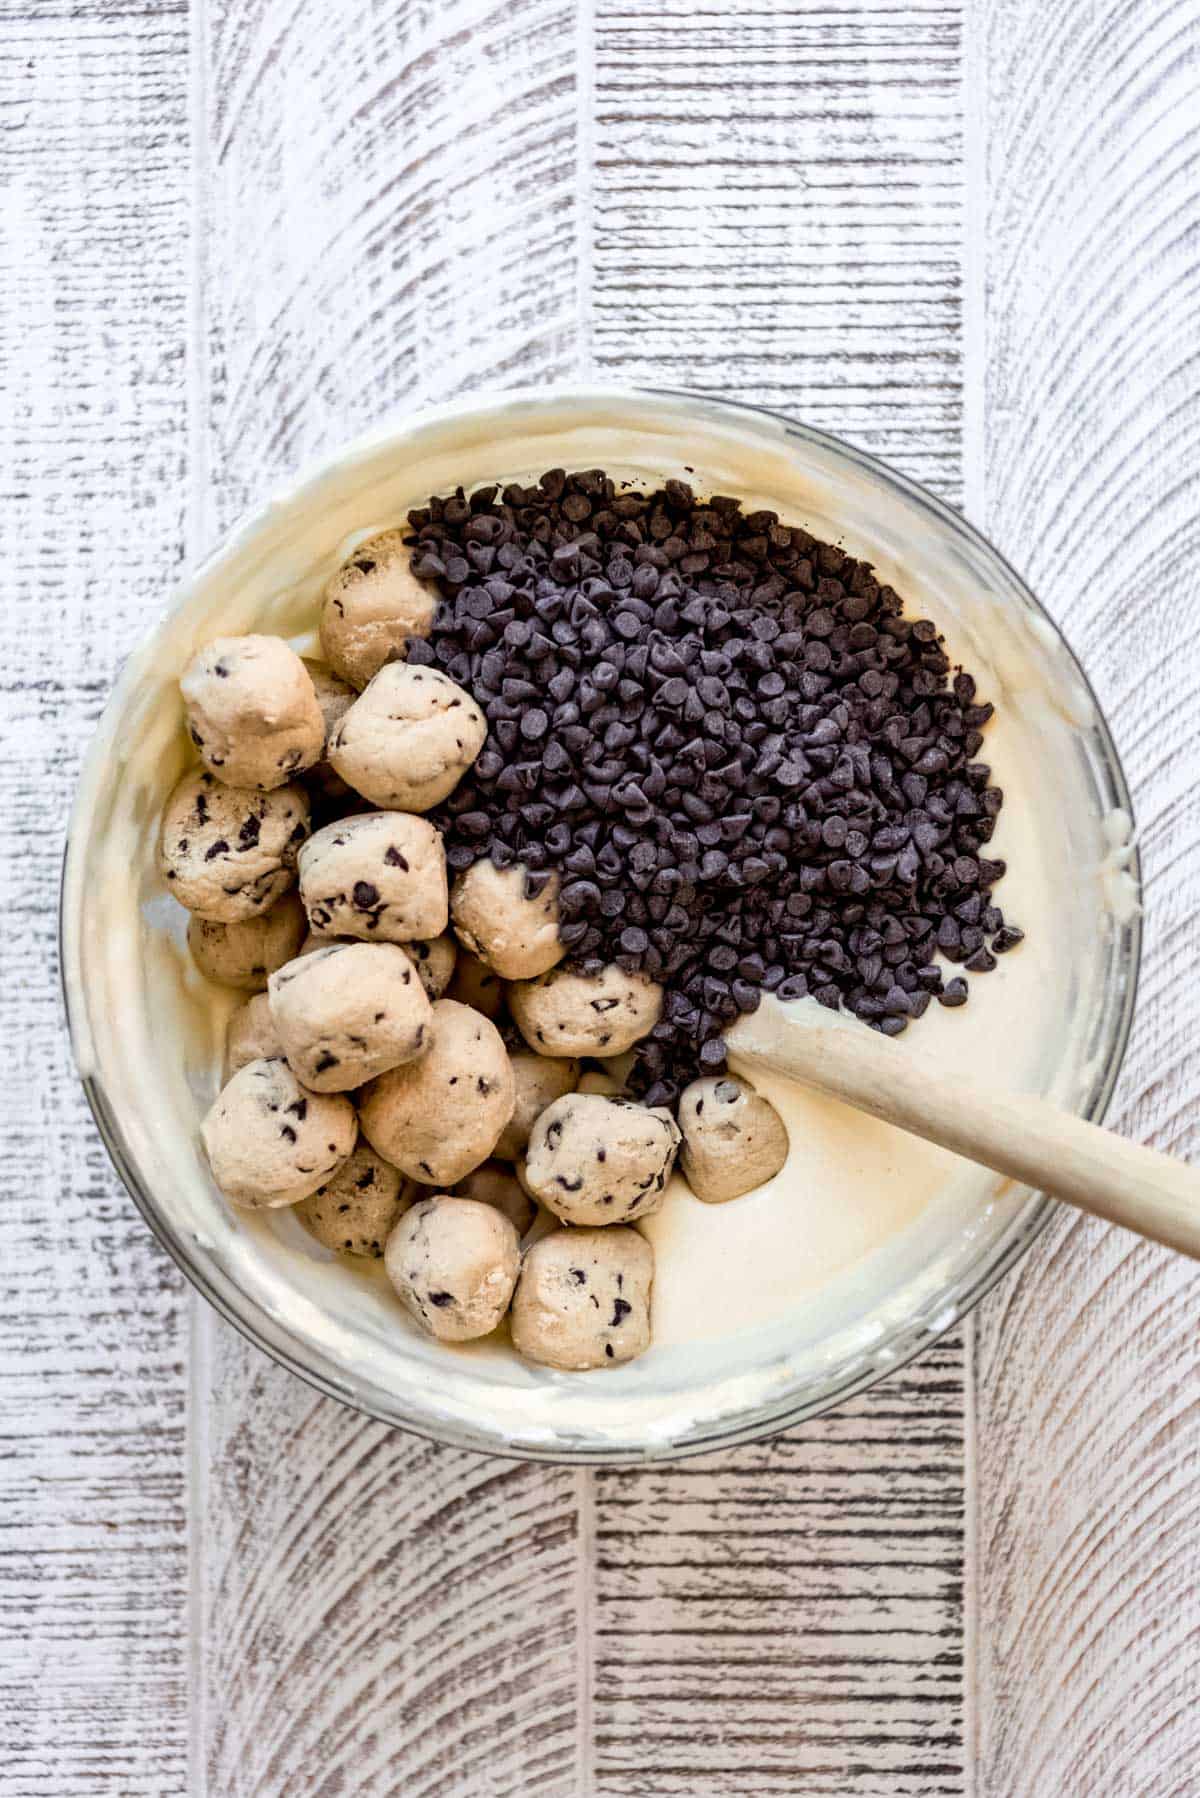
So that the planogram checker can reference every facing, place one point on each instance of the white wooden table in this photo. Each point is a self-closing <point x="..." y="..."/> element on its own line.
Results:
<point x="965" y="234"/>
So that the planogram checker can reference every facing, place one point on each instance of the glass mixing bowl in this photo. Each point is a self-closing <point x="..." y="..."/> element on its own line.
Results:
<point x="148" y="1032"/>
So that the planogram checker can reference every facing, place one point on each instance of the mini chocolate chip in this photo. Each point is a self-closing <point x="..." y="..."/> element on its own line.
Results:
<point x="745" y="743"/>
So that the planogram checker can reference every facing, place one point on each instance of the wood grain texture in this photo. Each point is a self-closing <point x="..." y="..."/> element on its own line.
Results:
<point x="778" y="212"/>
<point x="786" y="1618"/>
<point x="375" y="175"/>
<point x="379" y="1615"/>
<point x="93" y="223"/>
<point x="384" y="1615"/>
<point x="1087" y="472"/>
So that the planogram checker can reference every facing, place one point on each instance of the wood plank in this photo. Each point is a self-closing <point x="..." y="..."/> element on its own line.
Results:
<point x="383" y="1614"/>
<point x="777" y="216"/>
<point x="93" y="234"/>
<point x="778" y="212"/>
<point x="786" y="1617"/>
<point x="380" y="1614"/>
<point x="375" y="183"/>
<point x="1085" y="1636"/>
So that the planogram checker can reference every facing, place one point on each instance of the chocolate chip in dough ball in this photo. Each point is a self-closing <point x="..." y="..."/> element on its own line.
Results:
<point x="454" y="1263"/>
<point x="270" y="1142"/>
<point x="593" y="1160"/>
<point x="230" y="852"/>
<point x="252" y="711"/>
<point x="407" y="741"/>
<point x="562" y="1013"/>
<point x="733" y="1138"/>
<point x="373" y="605"/>
<point x="508" y="917"/>
<point x="583" y="1299"/>
<point x="439" y="1117"/>
<point x="245" y="954"/>
<point x="251" y="1035"/>
<point x="380" y="877"/>
<point x="495" y="1184"/>
<point x="539" y="1080"/>
<point x="434" y="962"/>
<point x="349" y="1012"/>
<point x="475" y="984"/>
<point x="359" y="1206"/>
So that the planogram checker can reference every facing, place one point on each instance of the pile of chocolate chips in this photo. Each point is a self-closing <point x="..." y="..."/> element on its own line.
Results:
<point x="751" y="772"/>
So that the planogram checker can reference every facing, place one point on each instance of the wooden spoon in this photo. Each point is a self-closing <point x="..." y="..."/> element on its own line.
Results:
<point x="1026" y="1138"/>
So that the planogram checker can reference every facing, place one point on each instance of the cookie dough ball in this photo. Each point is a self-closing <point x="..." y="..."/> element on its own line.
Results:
<point x="601" y="1014"/>
<point x="358" y="1207"/>
<point x="434" y="962"/>
<point x="508" y="918"/>
<point x="437" y="1118"/>
<point x="251" y="1035"/>
<point x="230" y="852"/>
<point x="380" y="878"/>
<point x="538" y="1081"/>
<point x="246" y="953"/>
<point x="495" y="1184"/>
<point x="454" y="1263"/>
<point x="373" y="605"/>
<point x="408" y="740"/>
<point x="269" y="1142"/>
<point x="349" y="1012"/>
<point x="252" y="711"/>
<point x="593" y="1160"/>
<point x="733" y="1138"/>
<point x="597" y="1079"/>
<point x="335" y="697"/>
<point x="313" y="941"/>
<point x="583" y="1299"/>
<point x="476" y="985"/>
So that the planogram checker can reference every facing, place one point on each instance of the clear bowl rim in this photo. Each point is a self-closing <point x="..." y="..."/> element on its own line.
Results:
<point x="1025" y="1228"/>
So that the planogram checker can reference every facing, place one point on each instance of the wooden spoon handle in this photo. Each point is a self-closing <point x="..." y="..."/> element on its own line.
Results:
<point x="1026" y="1138"/>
